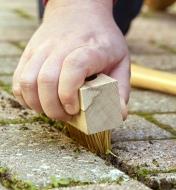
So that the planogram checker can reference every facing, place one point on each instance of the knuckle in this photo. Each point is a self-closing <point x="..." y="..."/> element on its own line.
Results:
<point x="16" y="90"/>
<point x="27" y="83"/>
<point x="45" y="78"/>
<point x="65" y="97"/>
<point x="74" y="62"/>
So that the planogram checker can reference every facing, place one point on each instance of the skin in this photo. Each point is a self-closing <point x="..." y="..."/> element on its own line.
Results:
<point x="76" y="39"/>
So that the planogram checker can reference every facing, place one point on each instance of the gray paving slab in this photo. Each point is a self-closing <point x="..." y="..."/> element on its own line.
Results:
<point x="10" y="109"/>
<point x="147" y="153"/>
<point x="7" y="80"/>
<point x="36" y="152"/>
<point x="15" y="34"/>
<point x="130" y="185"/>
<point x="149" y="101"/>
<point x="163" y="181"/>
<point x="137" y="128"/>
<point x="163" y="62"/>
<point x="2" y="188"/>
<point x="8" y="64"/>
<point x="167" y="119"/>
<point x="159" y="28"/>
<point x="146" y="159"/>
<point x="8" y="49"/>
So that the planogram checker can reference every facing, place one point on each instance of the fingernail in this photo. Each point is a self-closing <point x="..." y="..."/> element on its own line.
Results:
<point x="70" y="109"/>
<point x="124" y="110"/>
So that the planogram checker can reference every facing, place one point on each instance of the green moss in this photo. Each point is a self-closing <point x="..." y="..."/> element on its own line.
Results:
<point x="69" y="182"/>
<point x="150" y="118"/>
<point x="163" y="46"/>
<point x="23" y="14"/>
<point x="18" y="44"/>
<point x="65" y="182"/>
<point x="167" y="48"/>
<point x="12" y="182"/>
<point x="141" y="172"/>
<point x="6" y="87"/>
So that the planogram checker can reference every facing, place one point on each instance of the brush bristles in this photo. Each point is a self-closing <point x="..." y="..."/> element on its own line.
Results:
<point x="98" y="143"/>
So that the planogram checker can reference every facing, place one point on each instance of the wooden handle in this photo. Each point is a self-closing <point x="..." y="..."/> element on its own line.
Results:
<point x="153" y="79"/>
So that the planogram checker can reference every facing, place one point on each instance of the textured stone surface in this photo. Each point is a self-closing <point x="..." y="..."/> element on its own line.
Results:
<point x="167" y="119"/>
<point x="130" y="185"/>
<point x="8" y="64"/>
<point x="16" y="34"/>
<point x="7" y="80"/>
<point x="149" y="160"/>
<point x="8" y="49"/>
<point x="2" y="188"/>
<point x="159" y="28"/>
<point x="137" y="128"/>
<point x="10" y="109"/>
<point x="148" y="101"/>
<point x="147" y="153"/>
<point x="37" y="152"/>
<point x="143" y="47"/>
<point x="161" y="62"/>
<point x="165" y="181"/>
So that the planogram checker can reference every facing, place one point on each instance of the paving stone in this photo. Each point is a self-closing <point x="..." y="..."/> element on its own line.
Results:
<point x="154" y="156"/>
<point x="8" y="64"/>
<point x="163" y="181"/>
<point x="143" y="47"/>
<point x="29" y="20"/>
<point x="15" y="34"/>
<point x="36" y="152"/>
<point x="30" y="6"/>
<point x="2" y="188"/>
<point x="155" y="30"/>
<point x="7" y="80"/>
<point x="167" y="119"/>
<point x="130" y="185"/>
<point x="162" y="62"/>
<point x="7" y="49"/>
<point x="10" y="109"/>
<point x="137" y="128"/>
<point x="149" y="101"/>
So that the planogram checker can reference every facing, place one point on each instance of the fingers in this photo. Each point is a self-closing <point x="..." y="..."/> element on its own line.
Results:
<point x="78" y="65"/>
<point x="28" y="79"/>
<point x="16" y="88"/>
<point x="48" y="86"/>
<point x="122" y="74"/>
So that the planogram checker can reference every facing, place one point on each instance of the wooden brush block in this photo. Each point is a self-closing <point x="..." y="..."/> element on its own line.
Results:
<point x="100" y="106"/>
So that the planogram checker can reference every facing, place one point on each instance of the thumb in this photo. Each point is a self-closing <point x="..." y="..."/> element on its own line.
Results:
<point x="122" y="74"/>
<point x="79" y="64"/>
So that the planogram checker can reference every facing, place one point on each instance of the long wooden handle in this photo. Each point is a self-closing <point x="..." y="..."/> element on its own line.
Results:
<point x="153" y="79"/>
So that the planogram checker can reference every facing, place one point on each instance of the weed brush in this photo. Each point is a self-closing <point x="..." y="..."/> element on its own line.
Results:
<point x="100" y="106"/>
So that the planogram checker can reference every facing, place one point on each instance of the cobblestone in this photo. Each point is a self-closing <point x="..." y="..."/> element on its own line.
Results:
<point x="8" y="49"/>
<point x="137" y="128"/>
<point x="148" y="101"/>
<point x="36" y="152"/>
<point x="146" y="159"/>
<point x="167" y="119"/>
<point x="8" y="65"/>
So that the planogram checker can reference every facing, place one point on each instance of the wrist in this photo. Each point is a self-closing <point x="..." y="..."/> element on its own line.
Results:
<point x="63" y="3"/>
<point x="56" y="7"/>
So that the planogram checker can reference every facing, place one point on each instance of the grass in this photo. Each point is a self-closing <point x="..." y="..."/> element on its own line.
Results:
<point x="23" y="14"/>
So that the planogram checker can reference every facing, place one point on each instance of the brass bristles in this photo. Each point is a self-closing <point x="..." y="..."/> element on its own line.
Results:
<point x="98" y="143"/>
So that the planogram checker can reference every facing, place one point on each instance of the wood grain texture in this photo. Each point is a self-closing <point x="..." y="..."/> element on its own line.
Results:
<point x="100" y="106"/>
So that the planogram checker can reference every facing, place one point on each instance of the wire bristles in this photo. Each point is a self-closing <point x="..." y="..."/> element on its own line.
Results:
<point x="98" y="143"/>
